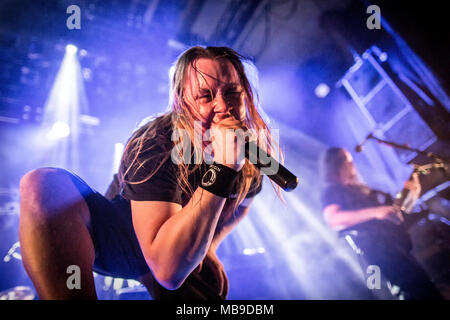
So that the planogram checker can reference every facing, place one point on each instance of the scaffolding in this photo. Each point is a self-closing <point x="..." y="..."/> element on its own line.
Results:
<point x="385" y="105"/>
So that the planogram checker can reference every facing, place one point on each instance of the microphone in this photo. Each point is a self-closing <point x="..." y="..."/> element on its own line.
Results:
<point x="359" y="147"/>
<point x="270" y="167"/>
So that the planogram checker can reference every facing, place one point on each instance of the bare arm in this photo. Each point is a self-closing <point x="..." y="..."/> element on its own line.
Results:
<point x="340" y="219"/>
<point x="229" y="220"/>
<point x="175" y="240"/>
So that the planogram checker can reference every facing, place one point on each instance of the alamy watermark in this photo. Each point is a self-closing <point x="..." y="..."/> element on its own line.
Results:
<point x="74" y="20"/>
<point x="374" y="277"/>
<point x="74" y="280"/>
<point x="374" y="20"/>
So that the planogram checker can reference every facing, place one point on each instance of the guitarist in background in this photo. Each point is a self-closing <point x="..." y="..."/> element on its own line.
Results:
<point x="373" y="226"/>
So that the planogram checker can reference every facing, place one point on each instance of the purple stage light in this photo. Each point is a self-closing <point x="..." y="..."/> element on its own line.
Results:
<point x="322" y="90"/>
<point x="71" y="49"/>
<point x="59" y="130"/>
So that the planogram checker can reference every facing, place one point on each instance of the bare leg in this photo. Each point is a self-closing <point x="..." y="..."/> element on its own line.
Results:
<point x="53" y="234"/>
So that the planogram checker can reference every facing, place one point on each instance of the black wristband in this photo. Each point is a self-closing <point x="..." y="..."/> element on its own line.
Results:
<point x="219" y="180"/>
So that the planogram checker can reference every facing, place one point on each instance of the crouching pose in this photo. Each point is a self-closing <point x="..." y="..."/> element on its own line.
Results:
<point x="161" y="219"/>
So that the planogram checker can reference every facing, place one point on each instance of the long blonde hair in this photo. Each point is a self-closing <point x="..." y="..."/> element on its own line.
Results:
<point x="179" y="116"/>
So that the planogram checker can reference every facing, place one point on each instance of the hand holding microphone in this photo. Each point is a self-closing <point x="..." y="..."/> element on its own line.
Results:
<point x="228" y="150"/>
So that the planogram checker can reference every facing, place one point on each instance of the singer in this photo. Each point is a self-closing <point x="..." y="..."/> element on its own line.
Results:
<point x="373" y="227"/>
<point x="159" y="222"/>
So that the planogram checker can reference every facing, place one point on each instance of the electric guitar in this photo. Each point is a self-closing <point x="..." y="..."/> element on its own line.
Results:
<point x="405" y="199"/>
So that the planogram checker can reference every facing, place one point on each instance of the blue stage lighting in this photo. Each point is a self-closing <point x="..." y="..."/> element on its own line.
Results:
<point x="322" y="90"/>
<point x="72" y="49"/>
<point x="118" y="151"/>
<point x="59" y="130"/>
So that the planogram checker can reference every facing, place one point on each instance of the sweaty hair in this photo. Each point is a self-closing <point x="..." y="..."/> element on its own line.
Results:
<point x="156" y="133"/>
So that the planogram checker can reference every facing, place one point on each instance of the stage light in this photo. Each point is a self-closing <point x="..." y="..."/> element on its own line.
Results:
<point x="87" y="73"/>
<point x="118" y="151"/>
<point x="249" y="251"/>
<point x="71" y="49"/>
<point x="89" y="120"/>
<point x="322" y="90"/>
<point x="59" y="130"/>
<point x="61" y="124"/>
<point x="252" y="251"/>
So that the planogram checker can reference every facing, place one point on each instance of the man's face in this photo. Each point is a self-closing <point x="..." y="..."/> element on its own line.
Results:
<point x="214" y="88"/>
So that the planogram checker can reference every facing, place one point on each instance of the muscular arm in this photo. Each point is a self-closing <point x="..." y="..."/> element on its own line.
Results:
<point x="229" y="220"/>
<point x="174" y="240"/>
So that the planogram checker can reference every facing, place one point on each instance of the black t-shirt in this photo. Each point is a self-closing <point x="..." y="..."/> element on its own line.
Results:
<point x="208" y="280"/>
<point x="355" y="197"/>
<point x="163" y="185"/>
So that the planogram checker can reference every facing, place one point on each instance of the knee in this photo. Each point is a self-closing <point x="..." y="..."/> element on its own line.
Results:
<point x="44" y="193"/>
<point x="47" y="194"/>
<point x="37" y="180"/>
<point x="40" y="189"/>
